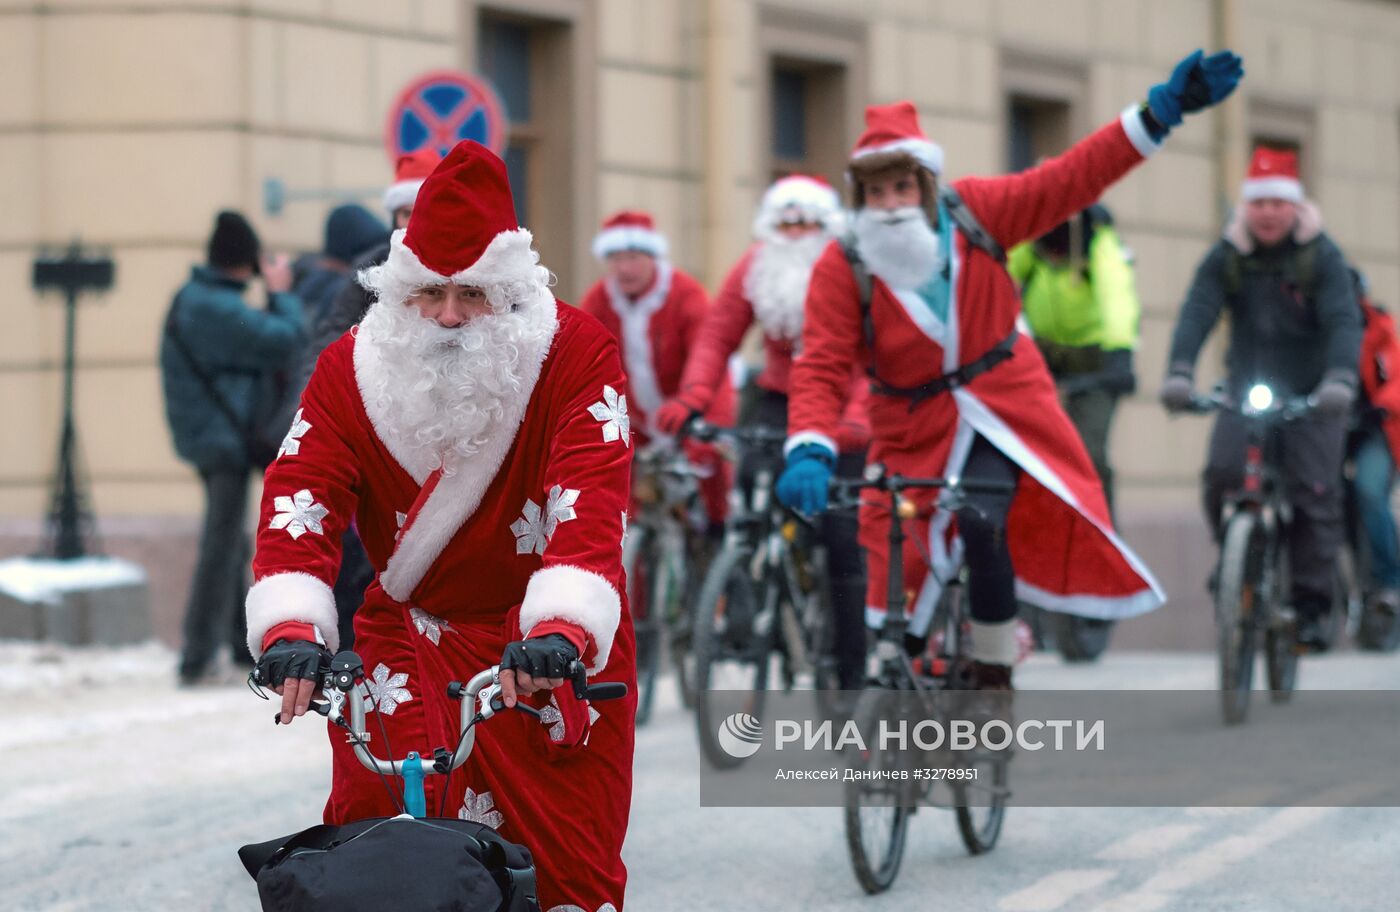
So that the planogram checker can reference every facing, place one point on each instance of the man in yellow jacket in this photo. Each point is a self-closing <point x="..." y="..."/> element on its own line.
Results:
<point x="1080" y="300"/>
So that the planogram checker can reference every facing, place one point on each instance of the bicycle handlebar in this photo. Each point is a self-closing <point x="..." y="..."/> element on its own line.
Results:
<point x="897" y="482"/>
<point x="480" y="697"/>
<point x="703" y="431"/>
<point x="1288" y="409"/>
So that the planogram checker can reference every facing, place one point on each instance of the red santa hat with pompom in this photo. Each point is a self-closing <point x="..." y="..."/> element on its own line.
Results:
<point x="1273" y="174"/>
<point x="892" y="131"/>
<point x="630" y="229"/>
<point x="799" y="198"/>
<point x="409" y="173"/>
<point x="463" y="227"/>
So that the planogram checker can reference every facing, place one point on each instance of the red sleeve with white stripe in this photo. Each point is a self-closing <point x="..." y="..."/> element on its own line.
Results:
<point x="585" y="498"/>
<point x="309" y="498"/>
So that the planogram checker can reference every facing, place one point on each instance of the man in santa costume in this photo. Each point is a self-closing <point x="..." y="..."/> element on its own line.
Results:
<point x="797" y="218"/>
<point x="467" y="426"/>
<point x="654" y="310"/>
<point x="922" y="300"/>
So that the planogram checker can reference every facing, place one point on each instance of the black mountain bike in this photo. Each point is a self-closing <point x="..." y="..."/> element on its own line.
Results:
<point x="764" y="598"/>
<point x="661" y="548"/>
<point x="1252" y="579"/>
<point x="878" y="808"/>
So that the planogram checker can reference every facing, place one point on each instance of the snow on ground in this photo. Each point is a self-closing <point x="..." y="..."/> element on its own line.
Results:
<point x="41" y="579"/>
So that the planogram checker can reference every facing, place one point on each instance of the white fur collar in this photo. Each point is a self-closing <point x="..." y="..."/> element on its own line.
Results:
<point x="635" y="317"/>
<point x="452" y="499"/>
<point x="1309" y="227"/>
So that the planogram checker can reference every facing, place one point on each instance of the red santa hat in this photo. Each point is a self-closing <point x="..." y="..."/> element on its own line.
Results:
<point x="462" y="230"/>
<point x="409" y="173"/>
<point x="630" y="230"/>
<point x="798" y="198"/>
<point x="893" y="130"/>
<point x="1273" y="174"/>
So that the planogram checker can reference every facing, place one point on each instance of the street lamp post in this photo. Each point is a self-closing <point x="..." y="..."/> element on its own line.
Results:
<point x="70" y="272"/>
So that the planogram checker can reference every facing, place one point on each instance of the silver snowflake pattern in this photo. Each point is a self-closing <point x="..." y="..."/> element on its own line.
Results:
<point x="298" y="514"/>
<point x="623" y="542"/>
<point x="612" y="412"/>
<point x="536" y="527"/>
<point x="399" y="520"/>
<point x="552" y="716"/>
<point x="387" y="691"/>
<point x="429" y="625"/>
<point x="560" y="508"/>
<point x="593" y="716"/>
<point x="529" y="530"/>
<point x="481" y="809"/>
<point x="291" y="444"/>
<point x="605" y="907"/>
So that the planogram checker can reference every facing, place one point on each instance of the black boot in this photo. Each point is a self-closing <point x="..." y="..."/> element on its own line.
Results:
<point x="1313" y="613"/>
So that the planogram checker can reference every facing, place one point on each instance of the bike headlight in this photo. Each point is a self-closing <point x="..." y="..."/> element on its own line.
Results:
<point x="1260" y="397"/>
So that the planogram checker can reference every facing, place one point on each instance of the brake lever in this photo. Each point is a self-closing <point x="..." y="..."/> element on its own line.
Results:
<point x="605" y="690"/>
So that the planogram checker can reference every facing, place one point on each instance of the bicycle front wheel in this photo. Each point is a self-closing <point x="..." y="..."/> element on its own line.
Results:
<point x="1236" y="592"/>
<point x="877" y="808"/>
<point x="731" y="652"/>
<point x="639" y="565"/>
<point x="980" y="804"/>
<point x="1281" y="639"/>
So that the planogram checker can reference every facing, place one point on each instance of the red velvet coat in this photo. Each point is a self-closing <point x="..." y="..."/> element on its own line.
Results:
<point x="1066" y="553"/>
<point x="721" y="333"/>
<point x="527" y="534"/>
<point x="1380" y="370"/>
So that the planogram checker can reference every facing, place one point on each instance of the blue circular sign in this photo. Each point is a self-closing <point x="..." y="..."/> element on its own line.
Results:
<point x="440" y="110"/>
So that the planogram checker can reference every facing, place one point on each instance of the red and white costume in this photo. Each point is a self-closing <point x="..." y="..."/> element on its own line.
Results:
<point x="740" y="303"/>
<point x="1063" y="545"/>
<point x="521" y="538"/>
<point x="656" y="331"/>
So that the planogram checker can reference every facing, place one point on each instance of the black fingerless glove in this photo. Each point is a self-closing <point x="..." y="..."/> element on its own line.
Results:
<point x="541" y="657"/>
<point x="295" y="659"/>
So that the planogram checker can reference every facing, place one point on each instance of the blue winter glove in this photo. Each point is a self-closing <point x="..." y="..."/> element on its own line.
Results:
<point x="803" y="484"/>
<point x="1197" y="82"/>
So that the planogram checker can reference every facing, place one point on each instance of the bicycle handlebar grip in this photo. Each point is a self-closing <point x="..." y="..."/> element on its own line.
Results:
<point x="607" y="690"/>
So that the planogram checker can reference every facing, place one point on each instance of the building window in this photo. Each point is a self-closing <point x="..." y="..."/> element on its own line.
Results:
<point x="1036" y="128"/>
<point x="789" y="121"/>
<point x="1045" y="107"/>
<point x="503" y="56"/>
<point x="814" y="99"/>
<point x="532" y="59"/>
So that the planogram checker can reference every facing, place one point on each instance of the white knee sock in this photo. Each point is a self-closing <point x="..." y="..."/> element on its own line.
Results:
<point x="994" y="643"/>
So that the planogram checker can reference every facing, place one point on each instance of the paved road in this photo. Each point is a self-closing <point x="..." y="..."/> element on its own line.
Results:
<point x="123" y="793"/>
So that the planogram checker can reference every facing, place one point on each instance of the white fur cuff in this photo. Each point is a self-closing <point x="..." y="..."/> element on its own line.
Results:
<point x="578" y="596"/>
<point x="284" y="597"/>
<point x="1131" y="119"/>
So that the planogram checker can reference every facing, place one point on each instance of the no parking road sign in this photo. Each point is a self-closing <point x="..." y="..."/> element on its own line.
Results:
<point x="440" y="110"/>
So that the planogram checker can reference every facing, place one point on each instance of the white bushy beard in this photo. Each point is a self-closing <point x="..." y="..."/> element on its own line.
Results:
<point x="440" y="394"/>
<point x="777" y="280"/>
<point x="898" y="245"/>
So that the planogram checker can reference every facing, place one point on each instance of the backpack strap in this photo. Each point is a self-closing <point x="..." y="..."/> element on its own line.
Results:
<point x="968" y="224"/>
<point x="865" y="285"/>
